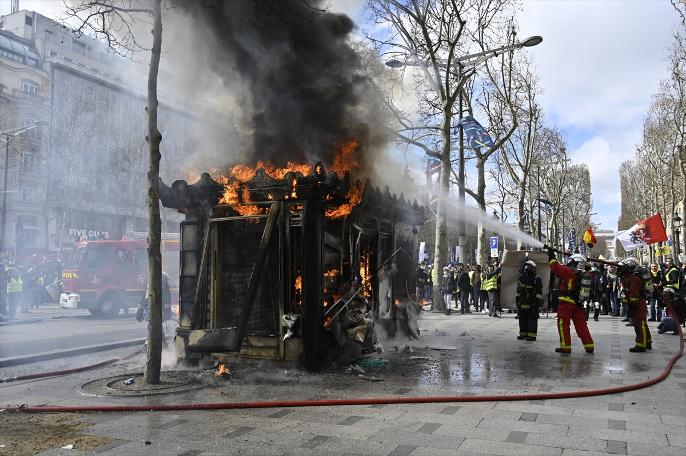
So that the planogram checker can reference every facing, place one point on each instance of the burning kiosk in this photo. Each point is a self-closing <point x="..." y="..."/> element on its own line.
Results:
<point x="269" y="256"/>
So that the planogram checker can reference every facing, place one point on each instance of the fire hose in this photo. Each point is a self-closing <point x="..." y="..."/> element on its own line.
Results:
<point x="75" y="370"/>
<point x="363" y="401"/>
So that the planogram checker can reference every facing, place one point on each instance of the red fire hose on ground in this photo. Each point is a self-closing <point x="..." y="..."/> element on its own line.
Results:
<point x="339" y="402"/>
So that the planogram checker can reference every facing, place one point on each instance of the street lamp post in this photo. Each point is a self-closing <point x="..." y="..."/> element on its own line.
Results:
<point x="8" y="137"/>
<point x="676" y="224"/>
<point x="459" y="65"/>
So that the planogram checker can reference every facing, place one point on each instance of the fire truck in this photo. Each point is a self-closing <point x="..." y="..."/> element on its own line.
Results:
<point x="108" y="277"/>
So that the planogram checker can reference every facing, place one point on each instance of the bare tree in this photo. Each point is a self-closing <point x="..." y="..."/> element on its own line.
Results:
<point x="521" y="153"/>
<point x="680" y="8"/>
<point x="113" y="21"/>
<point x="432" y="35"/>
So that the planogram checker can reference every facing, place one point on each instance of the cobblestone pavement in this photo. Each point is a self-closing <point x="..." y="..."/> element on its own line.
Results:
<point x="460" y="354"/>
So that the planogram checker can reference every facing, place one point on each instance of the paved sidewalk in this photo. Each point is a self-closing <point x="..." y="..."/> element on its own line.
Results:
<point x="460" y="354"/>
<point x="51" y="329"/>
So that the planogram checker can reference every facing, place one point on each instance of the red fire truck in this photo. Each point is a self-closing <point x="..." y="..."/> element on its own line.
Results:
<point x="106" y="277"/>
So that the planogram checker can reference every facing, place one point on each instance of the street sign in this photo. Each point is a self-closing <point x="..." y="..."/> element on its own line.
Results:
<point x="494" y="246"/>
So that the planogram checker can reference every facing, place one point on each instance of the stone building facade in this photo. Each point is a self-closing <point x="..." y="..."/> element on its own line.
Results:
<point x="84" y="174"/>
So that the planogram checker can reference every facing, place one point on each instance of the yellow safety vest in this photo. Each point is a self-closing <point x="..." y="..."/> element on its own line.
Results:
<point x="15" y="285"/>
<point x="668" y="275"/>
<point x="492" y="283"/>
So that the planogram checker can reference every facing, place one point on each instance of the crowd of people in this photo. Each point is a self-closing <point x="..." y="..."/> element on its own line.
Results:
<point x="25" y="284"/>
<point x="578" y="289"/>
<point x="467" y="285"/>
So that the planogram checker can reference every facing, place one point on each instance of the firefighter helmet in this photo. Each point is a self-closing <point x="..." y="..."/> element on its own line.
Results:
<point x="631" y="263"/>
<point x="670" y="293"/>
<point x="578" y="261"/>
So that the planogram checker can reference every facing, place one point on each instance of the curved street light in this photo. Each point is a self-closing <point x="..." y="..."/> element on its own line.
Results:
<point x="532" y="41"/>
<point x="478" y="57"/>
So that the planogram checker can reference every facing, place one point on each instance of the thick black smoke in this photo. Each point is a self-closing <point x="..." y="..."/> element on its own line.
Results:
<point x="306" y="89"/>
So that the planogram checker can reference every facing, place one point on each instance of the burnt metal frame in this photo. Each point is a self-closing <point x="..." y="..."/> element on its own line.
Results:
<point x="258" y="267"/>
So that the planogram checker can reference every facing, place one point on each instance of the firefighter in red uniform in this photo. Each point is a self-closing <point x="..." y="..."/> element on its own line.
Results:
<point x="569" y="308"/>
<point x="634" y="296"/>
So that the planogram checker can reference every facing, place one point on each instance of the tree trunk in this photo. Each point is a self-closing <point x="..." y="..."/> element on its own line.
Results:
<point x="154" y="355"/>
<point x="441" y="244"/>
<point x="482" y="246"/>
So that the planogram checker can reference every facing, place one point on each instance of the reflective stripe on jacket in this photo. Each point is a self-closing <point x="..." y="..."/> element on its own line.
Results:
<point x="491" y="283"/>
<point x="15" y="285"/>
<point x="568" y="281"/>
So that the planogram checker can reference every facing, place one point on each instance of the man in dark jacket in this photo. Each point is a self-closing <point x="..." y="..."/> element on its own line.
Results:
<point x="447" y="288"/>
<point x="464" y="286"/>
<point x="655" y="301"/>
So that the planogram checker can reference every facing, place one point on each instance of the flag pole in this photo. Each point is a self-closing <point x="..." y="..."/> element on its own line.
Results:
<point x="594" y="260"/>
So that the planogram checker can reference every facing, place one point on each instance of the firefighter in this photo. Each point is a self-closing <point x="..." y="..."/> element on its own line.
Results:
<point x="570" y="307"/>
<point x="675" y="312"/>
<point x="634" y="294"/>
<point x="529" y="299"/>
<point x="15" y="286"/>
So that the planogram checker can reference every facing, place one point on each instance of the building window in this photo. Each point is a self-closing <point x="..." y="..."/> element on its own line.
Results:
<point x="28" y="162"/>
<point x="28" y="194"/>
<point x="78" y="47"/>
<point x="27" y="231"/>
<point x="29" y="87"/>
<point x="28" y="20"/>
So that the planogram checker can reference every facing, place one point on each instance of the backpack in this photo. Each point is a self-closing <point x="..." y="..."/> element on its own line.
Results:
<point x="647" y="287"/>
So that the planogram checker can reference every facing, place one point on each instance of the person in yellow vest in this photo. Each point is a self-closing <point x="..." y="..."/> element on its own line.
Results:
<point x="483" y="293"/>
<point x="491" y="287"/>
<point x="672" y="276"/>
<point x="15" y="287"/>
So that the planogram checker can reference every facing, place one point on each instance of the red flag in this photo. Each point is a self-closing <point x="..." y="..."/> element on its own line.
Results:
<point x="589" y="237"/>
<point x="648" y="231"/>
<point x="653" y="229"/>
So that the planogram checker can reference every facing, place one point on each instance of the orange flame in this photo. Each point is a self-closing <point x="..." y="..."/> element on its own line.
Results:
<point x="365" y="272"/>
<point x="237" y="195"/>
<point x="346" y="159"/>
<point x="192" y="176"/>
<point x="354" y="197"/>
<point x="222" y="370"/>
<point x="331" y="273"/>
<point x="298" y="286"/>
